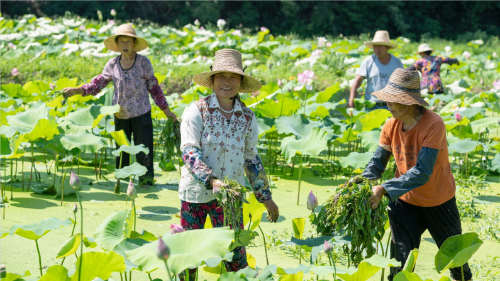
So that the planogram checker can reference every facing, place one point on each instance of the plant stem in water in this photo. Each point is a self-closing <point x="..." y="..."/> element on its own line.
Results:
<point x="39" y="257"/>
<point x="81" y="235"/>
<point x="265" y="245"/>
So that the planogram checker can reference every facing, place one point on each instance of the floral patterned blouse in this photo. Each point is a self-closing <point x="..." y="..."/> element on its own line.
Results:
<point x="431" y="68"/>
<point x="215" y="147"/>
<point x="131" y="86"/>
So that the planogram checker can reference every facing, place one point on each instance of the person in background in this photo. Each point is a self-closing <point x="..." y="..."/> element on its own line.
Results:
<point x="133" y="78"/>
<point x="376" y="68"/>
<point x="430" y="66"/>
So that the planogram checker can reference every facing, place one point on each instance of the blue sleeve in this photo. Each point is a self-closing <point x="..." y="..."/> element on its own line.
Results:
<point x="377" y="164"/>
<point x="415" y="177"/>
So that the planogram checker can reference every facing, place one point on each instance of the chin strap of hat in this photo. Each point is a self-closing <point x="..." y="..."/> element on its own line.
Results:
<point x="245" y="68"/>
<point x="211" y="68"/>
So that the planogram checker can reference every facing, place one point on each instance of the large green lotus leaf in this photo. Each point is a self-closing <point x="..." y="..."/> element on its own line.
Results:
<point x="490" y="123"/>
<point x="347" y="136"/>
<point x="452" y="123"/>
<point x="350" y="119"/>
<point x="298" y="227"/>
<point x="187" y="249"/>
<point x="243" y="238"/>
<point x="265" y="125"/>
<point x="462" y="146"/>
<point x="372" y="120"/>
<point x="368" y="267"/>
<point x="5" y="149"/>
<point x="69" y="247"/>
<point x="326" y="95"/>
<point x="114" y="229"/>
<point x="36" y="87"/>
<point x="45" y="128"/>
<point x="14" y="277"/>
<point x="65" y="83"/>
<point x="96" y="264"/>
<point x="4" y="112"/>
<point x="370" y="140"/>
<point x="283" y="107"/>
<point x="135" y="169"/>
<point x="324" y="271"/>
<point x="356" y="160"/>
<point x="447" y="107"/>
<point x="133" y="150"/>
<point x="14" y="90"/>
<point x="105" y="111"/>
<point x="408" y="276"/>
<point x="10" y="149"/>
<point x="37" y="230"/>
<point x="55" y="273"/>
<point x="297" y="125"/>
<point x="456" y="251"/>
<point x="85" y="142"/>
<point x="128" y="245"/>
<point x="473" y="113"/>
<point x="312" y="144"/>
<point x="495" y="163"/>
<point x="24" y="122"/>
<point x="120" y="137"/>
<point x="322" y="110"/>
<point x="457" y="87"/>
<point x="88" y="117"/>
<point x="235" y="276"/>
<point x="254" y="208"/>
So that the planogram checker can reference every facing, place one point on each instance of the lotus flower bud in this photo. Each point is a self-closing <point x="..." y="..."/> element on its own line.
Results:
<point x="175" y="228"/>
<point x="162" y="251"/>
<point x="75" y="208"/>
<point x="221" y="23"/>
<point x="280" y="83"/>
<point x="328" y="44"/>
<point x="111" y="22"/>
<point x="328" y="247"/>
<point x="458" y="117"/>
<point x="52" y="86"/>
<point x="131" y="192"/>
<point x="15" y="72"/>
<point x="99" y="15"/>
<point x="496" y="84"/>
<point x="74" y="180"/>
<point x="196" y="22"/>
<point x="350" y="109"/>
<point x="113" y="12"/>
<point x="312" y="201"/>
<point x="263" y="29"/>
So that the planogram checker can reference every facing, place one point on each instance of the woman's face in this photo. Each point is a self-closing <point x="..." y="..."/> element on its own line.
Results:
<point x="399" y="111"/>
<point x="226" y="84"/>
<point x="126" y="44"/>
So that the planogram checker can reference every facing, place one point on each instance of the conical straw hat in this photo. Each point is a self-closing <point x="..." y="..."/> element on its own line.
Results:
<point x="403" y="87"/>
<point x="424" y="48"/>
<point x="228" y="60"/>
<point x="381" y="37"/>
<point x="125" y="30"/>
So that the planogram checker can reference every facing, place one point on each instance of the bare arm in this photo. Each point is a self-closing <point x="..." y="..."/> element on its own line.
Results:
<point x="355" y="85"/>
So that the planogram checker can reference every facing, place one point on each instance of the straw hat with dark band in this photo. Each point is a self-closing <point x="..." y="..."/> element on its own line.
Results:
<point x="228" y="60"/>
<point x="125" y="30"/>
<point x="424" y="48"/>
<point x="381" y="37"/>
<point x="403" y="87"/>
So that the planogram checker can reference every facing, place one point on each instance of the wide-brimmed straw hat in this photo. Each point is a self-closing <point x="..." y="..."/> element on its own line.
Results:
<point x="228" y="60"/>
<point x="125" y="30"/>
<point x="403" y="87"/>
<point x="381" y="37"/>
<point x="422" y="48"/>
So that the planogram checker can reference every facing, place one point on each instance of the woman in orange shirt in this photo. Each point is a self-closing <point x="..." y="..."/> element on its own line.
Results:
<point x="422" y="193"/>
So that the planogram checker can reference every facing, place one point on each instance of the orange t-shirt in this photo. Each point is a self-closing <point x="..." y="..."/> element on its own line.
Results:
<point x="430" y="131"/>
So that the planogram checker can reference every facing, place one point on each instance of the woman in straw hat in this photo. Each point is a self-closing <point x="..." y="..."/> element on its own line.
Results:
<point x="376" y="68"/>
<point x="133" y="77"/>
<point x="430" y="66"/>
<point x="422" y="193"/>
<point x="219" y="136"/>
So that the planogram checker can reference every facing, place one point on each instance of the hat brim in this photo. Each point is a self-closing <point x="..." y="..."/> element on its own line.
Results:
<point x="423" y="51"/>
<point x="248" y="84"/>
<point x="370" y="44"/>
<point x="391" y="94"/>
<point x="110" y="43"/>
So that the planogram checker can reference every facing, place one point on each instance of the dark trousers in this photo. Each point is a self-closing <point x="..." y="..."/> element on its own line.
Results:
<point x="142" y="129"/>
<point x="408" y="223"/>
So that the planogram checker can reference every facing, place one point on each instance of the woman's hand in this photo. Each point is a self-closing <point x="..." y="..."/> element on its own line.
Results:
<point x="272" y="210"/>
<point x="170" y="114"/>
<point x="216" y="185"/>
<point x="378" y="192"/>
<point x="68" y="92"/>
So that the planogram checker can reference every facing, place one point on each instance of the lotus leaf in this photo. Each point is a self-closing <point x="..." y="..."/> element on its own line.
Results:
<point x="133" y="150"/>
<point x="36" y="87"/>
<point x="37" y="230"/>
<point x="495" y="163"/>
<point x="114" y="229"/>
<point x="87" y="118"/>
<point x="457" y="250"/>
<point x="347" y="136"/>
<point x="127" y="245"/>
<point x="296" y="124"/>
<point x="327" y="94"/>
<point x="135" y="169"/>
<point x="14" y="90"/>
<point x="281" y="107"/>
<point x="372" y="120"/>
<point x="65" y="83"/>
<point x="356" y="160"/>
<point x="311" y="144"/>
<point x="254" y="208"/>
<point x="55" y="273"/>
<point x="370" y="140"/>
<point x="368" y="267"/>
<point x="120" y="137"/>
<point x="293" y="277"/>
<point x="462" y="146"/>
<point x="458" y="87"/>
<point x="265" y="125"/>
<point x="69" y="247"/>
<point x="11" y="149"/>
<point x="84" y="142"/>
<point x="24" y="122"/>
<point x="298" y="227"/>
<point x="96" y="264"/>
<point x="14" y="277"/>
<point x="187" y="249"/>
<point x="235" y="276"/>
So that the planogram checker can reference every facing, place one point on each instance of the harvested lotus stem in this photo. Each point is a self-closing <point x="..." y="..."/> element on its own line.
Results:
<point x="230" y="199"/>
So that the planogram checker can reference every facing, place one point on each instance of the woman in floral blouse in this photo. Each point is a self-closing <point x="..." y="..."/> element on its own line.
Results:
<point x="430" y="66"/>
<point x="133" y="78"/>
<point x="219" y="136"/>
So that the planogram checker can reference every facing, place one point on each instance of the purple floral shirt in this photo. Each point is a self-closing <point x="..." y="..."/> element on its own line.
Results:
<point x="214" y="147"/>
<point x="131" y="86"/>
<point x="431" y="68"/>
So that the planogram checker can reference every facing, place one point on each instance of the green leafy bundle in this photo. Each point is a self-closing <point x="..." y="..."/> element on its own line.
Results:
<point x="231" y="199"/>
<point x="349" y="213"/>
<point x="170" y="138"/>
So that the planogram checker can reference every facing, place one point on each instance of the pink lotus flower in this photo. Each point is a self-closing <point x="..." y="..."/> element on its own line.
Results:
<point x="82" y="27"/>
<point x="202" y="28"/>
<point x="312" y="201"/>
<point x="11" y="45"/>
<point x="52" y="86"/>
<point x="131" y="192"/>
<point x="328" y="247"/>
<point x="466" y="54"/>
<point x="263" y="29"/>
<point x="74" y="180"/>
<point x="458" y="117"/>
<point x="496" y="84"/>
<point x="162" y="250"/>
<point x="328" y="44"/>
<point x="306" y="77"/>
<point x="317" y="53"/>
<point x="236" y="32"/>
<point x="175" y="228"/>
<point x="15" y="72"/>
<point x="254" y="94"/>
<point x="111" y="22"/>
